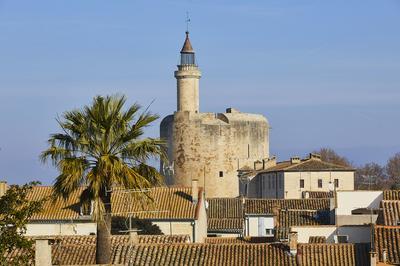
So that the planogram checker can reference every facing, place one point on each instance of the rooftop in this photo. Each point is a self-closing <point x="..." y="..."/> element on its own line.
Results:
<point x="160" y="203"/>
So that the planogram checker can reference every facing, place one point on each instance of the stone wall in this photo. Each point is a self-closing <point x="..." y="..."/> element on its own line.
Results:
<point x="212" y="147"/>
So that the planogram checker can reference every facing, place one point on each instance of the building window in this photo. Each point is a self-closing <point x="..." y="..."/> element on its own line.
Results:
<point x="320" y="183"/>
<point x="301" y="183"/>
<point x="221" y="174"/>
<point x="336" y="182"/>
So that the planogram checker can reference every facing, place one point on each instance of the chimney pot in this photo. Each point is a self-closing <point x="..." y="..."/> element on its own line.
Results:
<point x="295" y="160"/>
<point x="373" y="258"/>
<point x="42" y="252"/>
<point x="293" y="242"/>
<point x="384" y="255"/>
<point x="195" y="190"/>
<point x="133" y="237"/>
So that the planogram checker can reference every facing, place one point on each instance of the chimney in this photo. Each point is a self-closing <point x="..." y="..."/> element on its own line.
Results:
<point x="293" y="242"/>
<point x="133" y="236"/>
<point x="258" y="165"/>
<point x="275" y="214"/>
<point x="384" y="255"/>
<point x="3" y="188"/>
<point x="295" y="160"/>
<point x="42" y="252"/>
<point x="373" y="258"/>
<point x="195" y="190"/>
<point x="269" y="162"/>
<point x="315" y="156"/>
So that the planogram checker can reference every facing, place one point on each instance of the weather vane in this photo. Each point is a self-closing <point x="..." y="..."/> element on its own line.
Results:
<point x="187" y="21"/>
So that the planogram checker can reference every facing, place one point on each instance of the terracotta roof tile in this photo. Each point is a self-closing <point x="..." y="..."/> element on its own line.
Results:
<point x="232" y="240"/>
<point x="333" y="254"/>
<point x="388" y="237"/>
<point x="390" y="212"/>
<point x="81" y="250"/>
<point x="317" y="239"/>
<point x="263" y="206"/>
<point x="55" y="210"/>
<point x="175" y="202"/>
<point x="228" y="225"/>
<point x="167" y="203"/>
<point x="225" y="208"/>
<point x="318" y="194"/>
<point x="307" y="165"/>
<point x="288" y="218"/>
<point x="206" y="254"/>
<point x="391" y="194"/>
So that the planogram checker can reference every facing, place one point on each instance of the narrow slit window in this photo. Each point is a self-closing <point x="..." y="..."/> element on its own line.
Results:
<point x="221" y="174"/>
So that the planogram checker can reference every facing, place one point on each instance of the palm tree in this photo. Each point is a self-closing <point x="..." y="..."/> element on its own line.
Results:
<point x="101" y="147"/>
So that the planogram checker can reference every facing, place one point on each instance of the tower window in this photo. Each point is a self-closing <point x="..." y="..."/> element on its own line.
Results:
<point x="320" y="183"/>
<point x="301" y="183"/>
<point x="221" y="174"/>
<point x="336" y="182"/>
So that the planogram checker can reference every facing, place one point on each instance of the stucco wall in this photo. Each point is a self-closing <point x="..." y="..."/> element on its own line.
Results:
<point x="40" y="229"/>
<point x="350" y="200"/>
<point x="357" y="234"/>
<point x="176" y="228"/>
<point x="201" y="145"/>
<point x="292" y="182"/>
<point x="252" y="222"/>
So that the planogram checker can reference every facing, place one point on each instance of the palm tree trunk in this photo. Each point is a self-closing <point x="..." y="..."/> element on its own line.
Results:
<point x="103" y="243"/>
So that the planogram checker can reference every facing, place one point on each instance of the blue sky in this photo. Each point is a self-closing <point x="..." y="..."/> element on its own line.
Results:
<point x="324" y="73"/>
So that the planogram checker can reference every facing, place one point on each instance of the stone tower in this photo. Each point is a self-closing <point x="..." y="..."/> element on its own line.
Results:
<point x="210" y="147"/>
<point x="187" y="79"/>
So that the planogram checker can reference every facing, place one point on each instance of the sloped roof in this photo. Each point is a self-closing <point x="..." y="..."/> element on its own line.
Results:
<point x="311" y="164"/>
<point x="187" y="46"/>
<point x="225" y="208"/>
<point x="333" y="254"/>
<point x="166" y="203"/>
<point x="232" y="240"/>
<point x="390" y="212"/>
<point x="388" y="237"/>
<point x="264" y="206"/>
<point x="55" y="210"/>
<point x="205" y="254"/>
<point x="227" y="214"/>
<point x="318" y="194"/>
<point x="227" y="225"/>
<point x="81" y="250"/>
<point x="317" y="239"/>
<point x="391" y="194"/>
<point x="288" y="218"/>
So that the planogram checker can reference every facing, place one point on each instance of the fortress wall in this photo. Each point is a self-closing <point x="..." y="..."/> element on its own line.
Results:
<point x="202" y="146"/>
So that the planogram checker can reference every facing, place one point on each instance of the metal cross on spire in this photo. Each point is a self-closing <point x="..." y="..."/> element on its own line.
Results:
<point x="187" y="21"/>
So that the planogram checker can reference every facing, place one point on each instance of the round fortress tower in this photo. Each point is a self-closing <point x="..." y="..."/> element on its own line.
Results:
<point x="187" y="77"/>
<point x="209" y="147"/>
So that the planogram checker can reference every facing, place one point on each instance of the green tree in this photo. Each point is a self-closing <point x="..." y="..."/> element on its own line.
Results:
<point x="330" y="156"/>
<point x="102" y="146"/>
<point x="15" y="211"/>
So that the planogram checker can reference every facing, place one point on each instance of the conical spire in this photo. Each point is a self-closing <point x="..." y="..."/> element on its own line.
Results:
<point x="187" y="46"/>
